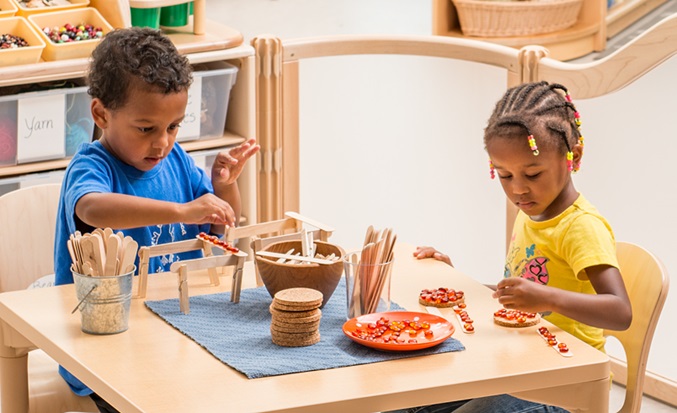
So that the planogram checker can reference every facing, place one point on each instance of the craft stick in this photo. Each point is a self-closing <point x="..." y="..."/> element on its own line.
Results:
<point x="71" y="251"/>
<point x="128" y="254"/>
<point x="354" y="303"/>
<point x="295" y="261"/>
<point x="98" y="245"/>
<point x="304" y="243"/>
<point x="309" y="221"/>
<point x="113" y="245"/>
<point x="282" y="260"/>
<point x="107" y="233"/>
<point x="184" y="303"/>
<point x="297" y="257"/>
<point x="365" y="259"/>
<point x="87" y="269"/>
<point x="88" y="257"/>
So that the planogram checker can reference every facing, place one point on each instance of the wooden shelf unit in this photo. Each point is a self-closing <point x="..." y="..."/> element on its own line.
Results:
<point x="218" y="43"/>
<point x="595" y="24"/>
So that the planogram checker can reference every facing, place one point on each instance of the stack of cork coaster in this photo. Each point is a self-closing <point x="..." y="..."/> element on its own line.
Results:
<point x="296" y="317"/>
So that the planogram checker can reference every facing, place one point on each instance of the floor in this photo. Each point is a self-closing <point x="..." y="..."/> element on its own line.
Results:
<point x="302" y="18"/>
<point x="649" y="405"/>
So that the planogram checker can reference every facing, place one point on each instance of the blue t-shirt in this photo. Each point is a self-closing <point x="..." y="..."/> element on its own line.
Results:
<point x="93" y="169"/>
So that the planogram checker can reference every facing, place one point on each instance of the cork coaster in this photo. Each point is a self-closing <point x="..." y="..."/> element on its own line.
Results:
<point x="295" y="327"/>
<point x="297" y="299"/>
<point x="296" y="316"/>
<point x="295" y="339"/>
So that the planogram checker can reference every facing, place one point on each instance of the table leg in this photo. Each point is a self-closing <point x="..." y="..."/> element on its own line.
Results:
<point x="580" y="397"/>
<point x="14" y="379"/>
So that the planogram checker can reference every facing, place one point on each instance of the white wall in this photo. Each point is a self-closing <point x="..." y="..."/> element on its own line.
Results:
<point x="397" y="142"/>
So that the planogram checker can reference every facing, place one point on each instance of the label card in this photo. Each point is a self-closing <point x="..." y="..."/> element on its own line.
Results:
<point x="41" y="126"/>
<point x="190" y="127"/>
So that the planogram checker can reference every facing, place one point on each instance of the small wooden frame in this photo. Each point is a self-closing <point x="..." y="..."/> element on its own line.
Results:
<point x="274" y="231"/>
<point x="209" y="263"/>
<point x="145" y="253"/>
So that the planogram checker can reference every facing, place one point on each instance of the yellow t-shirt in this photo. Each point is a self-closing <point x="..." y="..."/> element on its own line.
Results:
<point x="557" y="251"/>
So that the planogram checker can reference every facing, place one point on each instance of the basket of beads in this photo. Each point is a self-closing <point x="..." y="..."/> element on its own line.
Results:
<point x="70" y="34"/>
<point x="20" y="43"/>
<point x="506" y="18"/>
<point x="29" y="7"/>
<point x="7" y="8"/>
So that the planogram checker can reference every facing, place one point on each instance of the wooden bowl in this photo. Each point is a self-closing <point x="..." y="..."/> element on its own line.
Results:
<point x="321" y="277"/>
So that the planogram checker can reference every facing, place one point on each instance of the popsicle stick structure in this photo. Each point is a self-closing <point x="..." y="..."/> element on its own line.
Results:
<point x="182" y="267"/>
<point x="289" y="228"/>
<point x="209" y="262"/>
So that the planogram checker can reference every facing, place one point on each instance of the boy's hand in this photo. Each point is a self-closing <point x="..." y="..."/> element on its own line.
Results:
<point x="228" y="165"/>
<point x="430" y="252"/>
<point x="208" y="209"/>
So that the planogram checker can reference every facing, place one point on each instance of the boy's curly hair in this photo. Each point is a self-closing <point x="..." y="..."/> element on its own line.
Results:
<point x="136" y="57"/>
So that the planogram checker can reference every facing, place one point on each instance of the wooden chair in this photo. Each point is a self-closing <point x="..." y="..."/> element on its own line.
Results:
<point x="27" y="230"/>
<point x="647" y="282"/>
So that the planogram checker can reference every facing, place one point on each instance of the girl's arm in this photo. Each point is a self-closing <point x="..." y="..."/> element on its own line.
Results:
<point x="610" y="308"/>
<point x="430" y="252"/>
<point x="119" y="211"/>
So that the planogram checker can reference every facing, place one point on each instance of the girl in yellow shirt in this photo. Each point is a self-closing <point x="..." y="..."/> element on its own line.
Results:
<point x="561" y="261"/>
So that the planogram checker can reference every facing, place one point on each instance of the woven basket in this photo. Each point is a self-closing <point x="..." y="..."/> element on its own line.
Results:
<point x="497" y="18"/>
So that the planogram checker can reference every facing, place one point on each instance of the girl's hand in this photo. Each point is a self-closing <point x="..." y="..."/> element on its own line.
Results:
<point x="228" y="165"/>
<point x="208" y="209"/>
<point x="430" y="252"/>
<point x="517" y="293"/>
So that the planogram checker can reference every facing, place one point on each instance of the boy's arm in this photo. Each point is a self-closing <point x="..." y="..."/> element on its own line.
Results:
<point x="119" y="211"/>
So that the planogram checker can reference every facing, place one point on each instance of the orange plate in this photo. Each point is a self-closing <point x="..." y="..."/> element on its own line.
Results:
<point x="441" y="328"/>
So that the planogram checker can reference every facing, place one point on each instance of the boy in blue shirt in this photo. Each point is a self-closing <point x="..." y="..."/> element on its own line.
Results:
<point x="135" y="178"/>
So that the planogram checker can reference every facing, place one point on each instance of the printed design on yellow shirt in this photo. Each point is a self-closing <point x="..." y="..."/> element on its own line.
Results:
<point x="532" y="267"/>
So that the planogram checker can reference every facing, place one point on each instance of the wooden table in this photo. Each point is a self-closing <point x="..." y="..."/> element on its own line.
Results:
<point x="154" y="368"/>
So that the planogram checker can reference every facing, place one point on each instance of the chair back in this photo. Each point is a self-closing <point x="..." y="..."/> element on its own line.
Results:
<point x="27" y="231"/>
<point x="647" y="282"/>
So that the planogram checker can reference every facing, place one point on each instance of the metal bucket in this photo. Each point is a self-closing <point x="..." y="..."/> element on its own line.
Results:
<point x="104" y="302"/>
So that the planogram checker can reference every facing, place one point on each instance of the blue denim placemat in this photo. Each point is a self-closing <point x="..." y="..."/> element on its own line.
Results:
<point x="239" y="334"/>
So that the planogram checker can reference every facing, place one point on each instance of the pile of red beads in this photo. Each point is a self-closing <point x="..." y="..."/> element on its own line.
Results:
<point x="395" y="332"/>
<point x="70" y="33"/>
<point x="10" y="41"/>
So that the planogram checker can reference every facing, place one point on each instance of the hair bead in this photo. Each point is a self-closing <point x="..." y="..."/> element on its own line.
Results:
<point x="492" y="172"/>
<point x="532" y="144"/>
<point x="570" y="161"/>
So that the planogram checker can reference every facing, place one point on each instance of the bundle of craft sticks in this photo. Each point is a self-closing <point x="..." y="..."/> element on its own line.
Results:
<point x="372" y="274"/>
<point x="102" y="253"/>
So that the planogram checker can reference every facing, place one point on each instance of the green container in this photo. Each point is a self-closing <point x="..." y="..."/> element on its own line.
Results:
<point x="191" y="8"/>
<point x="146" y="17"/>
<point x="174" y="16"/>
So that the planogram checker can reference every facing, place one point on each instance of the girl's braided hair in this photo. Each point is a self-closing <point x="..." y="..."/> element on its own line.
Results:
<point x="537" y="108"/>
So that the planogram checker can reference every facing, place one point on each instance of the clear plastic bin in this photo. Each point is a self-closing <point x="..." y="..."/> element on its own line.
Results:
<point x="208" y="100"/>
<point x="46" y="134"/>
